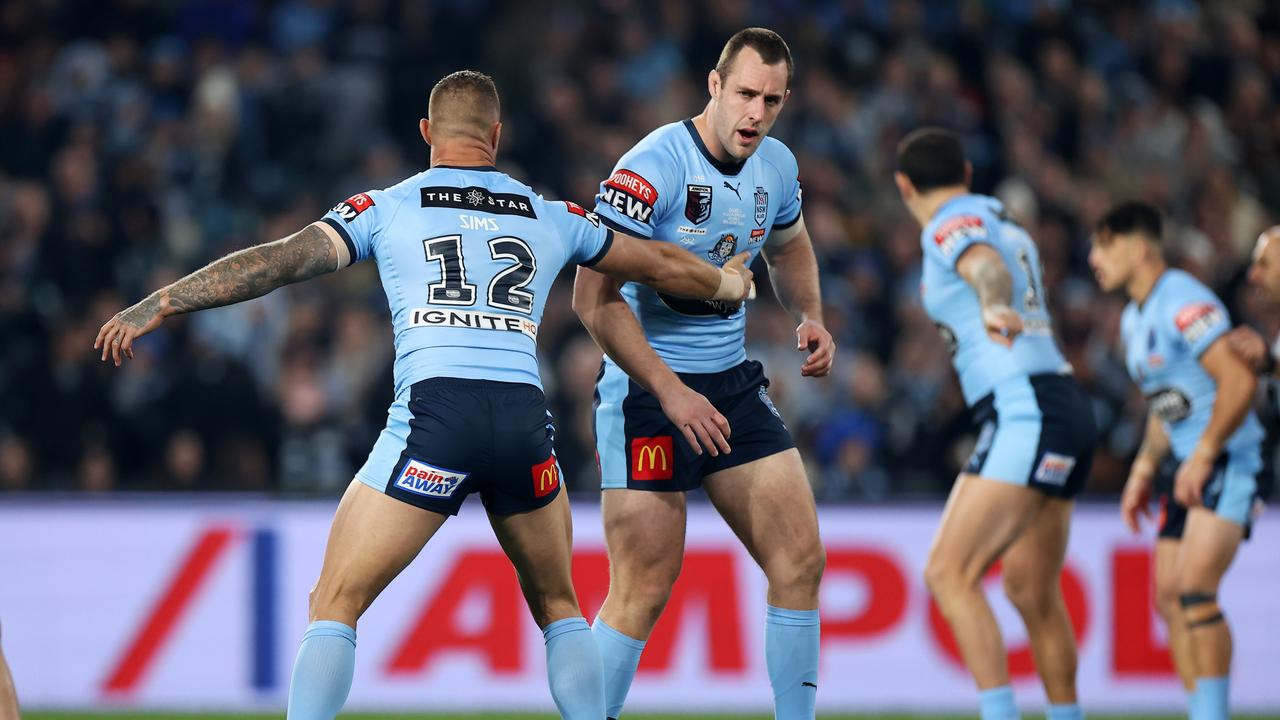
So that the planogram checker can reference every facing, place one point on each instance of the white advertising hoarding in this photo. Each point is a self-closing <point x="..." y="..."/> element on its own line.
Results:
<point x="199" y="604"/>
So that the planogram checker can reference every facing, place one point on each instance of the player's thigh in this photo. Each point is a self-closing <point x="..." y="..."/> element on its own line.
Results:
<point x="769" y="505"/>
<point x="540" y="545"/>
<point x="982" y="518"/>
<point x="1034" y="561"/>
<point x="644" y="532"/>
<point x="1209" y="545"/>
<point x="373" y="538"/>
<point x="1166" y="558"/>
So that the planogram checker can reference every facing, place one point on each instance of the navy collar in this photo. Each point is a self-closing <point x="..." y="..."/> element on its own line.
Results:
<point x="725" y="168"/>
<point x="476" y="168"/>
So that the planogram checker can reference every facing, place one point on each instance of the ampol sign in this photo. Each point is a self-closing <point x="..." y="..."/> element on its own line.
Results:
<point x="173" y="605"/>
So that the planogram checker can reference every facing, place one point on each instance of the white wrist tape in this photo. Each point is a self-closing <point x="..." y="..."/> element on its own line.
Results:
<point x="731" y="286"/>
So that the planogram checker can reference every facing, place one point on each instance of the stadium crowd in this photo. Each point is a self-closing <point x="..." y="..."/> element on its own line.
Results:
<point x="140" y="139"/>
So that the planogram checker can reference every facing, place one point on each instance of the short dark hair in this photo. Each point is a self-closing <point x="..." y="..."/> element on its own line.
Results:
<point x="1132" y="218"/>
<point x="464" y="99"/>
<point x="932" y="158"/>
<point x="772" y="48"/>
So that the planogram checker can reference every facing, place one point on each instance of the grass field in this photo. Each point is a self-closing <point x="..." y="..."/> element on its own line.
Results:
<point x="509" y="716"/>
<point x="525" y="716"/>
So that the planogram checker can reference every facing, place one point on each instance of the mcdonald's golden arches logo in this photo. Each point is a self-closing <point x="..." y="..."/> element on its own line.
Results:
<point x="652" y="458"/>
<point x="546" y="477"/>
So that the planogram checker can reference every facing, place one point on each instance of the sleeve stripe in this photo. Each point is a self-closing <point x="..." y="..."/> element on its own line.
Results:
<point x="604" y="249"/>
<point x="619" y="227"/>
<point x="346" y="237"/>
<point x="787" y="224"/>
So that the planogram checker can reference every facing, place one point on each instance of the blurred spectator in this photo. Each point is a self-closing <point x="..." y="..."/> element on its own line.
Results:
<point x="144" y="139"/>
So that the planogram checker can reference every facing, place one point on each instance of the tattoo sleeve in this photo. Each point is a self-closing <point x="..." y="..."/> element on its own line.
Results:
<point x="992" y="281"/>
<point x="242" y="275"/>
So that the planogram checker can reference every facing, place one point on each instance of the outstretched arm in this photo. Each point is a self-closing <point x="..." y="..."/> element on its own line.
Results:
<point x="242" y="275"/>
<point x="793" y="269"/>
<point x="983" y="268"/>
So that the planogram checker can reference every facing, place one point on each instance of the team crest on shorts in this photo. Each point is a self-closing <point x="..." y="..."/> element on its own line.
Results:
<point x="420" y="478"/>
<point x="768" y="402"/>
<point x="762" y="205"/>
<point x="697" y="203"/>
<point x="725" y="248"/>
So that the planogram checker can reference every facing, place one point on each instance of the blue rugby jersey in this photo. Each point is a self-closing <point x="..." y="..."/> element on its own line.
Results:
<point x="1164" y="339"/>
<point x="467" y="257"/>
<point x="953" y="304"/>
<point x="670" y="188"/>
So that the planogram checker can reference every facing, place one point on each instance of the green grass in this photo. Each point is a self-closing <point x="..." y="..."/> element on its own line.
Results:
<point x="526" y="716"/>
<point x="529" y="716"/>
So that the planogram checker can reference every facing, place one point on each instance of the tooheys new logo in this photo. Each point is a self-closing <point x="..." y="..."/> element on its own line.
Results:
<point x="1170" y="405"/>
<point x="1196" y="319"/>
<point x="351" y="208"/>
<point x="630" y="194"/>
<point x="955" y="230"/>
<point x="722" y="252"/>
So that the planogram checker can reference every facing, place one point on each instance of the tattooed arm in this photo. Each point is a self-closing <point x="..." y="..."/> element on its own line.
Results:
<point x="242" y="275"/>
<point x="983" y="268"/>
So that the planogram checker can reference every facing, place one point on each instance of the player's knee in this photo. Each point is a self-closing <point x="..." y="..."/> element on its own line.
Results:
<point x="799" y="572"/>
<point x="336" y="601"/>
<point x="942" y="575"/>
<point x="1166" y="601"/>
<point x="1029" y="594"/>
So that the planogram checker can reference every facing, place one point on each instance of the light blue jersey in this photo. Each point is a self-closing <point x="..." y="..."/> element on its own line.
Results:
<point x="953" y="304"/>
<point x="669" y="187"/>
<point x="466" y="257"/>
<point x="1164" y="339"/>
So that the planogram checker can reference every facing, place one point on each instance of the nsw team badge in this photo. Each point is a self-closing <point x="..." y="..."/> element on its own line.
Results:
<point x="697" y="203"/>
<point x="762" y="205"/>
<point x="724" y="249"/>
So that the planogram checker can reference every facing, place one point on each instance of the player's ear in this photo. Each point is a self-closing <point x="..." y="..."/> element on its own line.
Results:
<point x="495" y="136"/>
<point x="713" y="83"/>
<point x="424" y="127"/>
<point x="968" y="174"/>
<point x="905" y="188"/>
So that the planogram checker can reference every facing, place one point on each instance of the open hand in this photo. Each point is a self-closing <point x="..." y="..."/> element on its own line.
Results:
<point x="116" y="336"/>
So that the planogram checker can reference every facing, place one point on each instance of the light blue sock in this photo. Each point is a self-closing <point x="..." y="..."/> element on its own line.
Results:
<point x="322" y="671"/>
<point x="573" y="669"/>
<point x="997" y="704"/>
<point x="1064" y="712"/>
<point x="1211" y="698"/>
<point x="791" y="645"/>
<point x="621" y="656"/>
<point x="1193" y="712"/>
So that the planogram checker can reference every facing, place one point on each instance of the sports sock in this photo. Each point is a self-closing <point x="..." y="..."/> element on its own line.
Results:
<point x="1064" y="712"/>
<point x="573" y="669"/>
<point x="1210" y="702"/>
<point x="1193" y="713"/>
<point x="322" y="671"/>
<point x="621" y="656"/>
<point x="997" y="704"/>
<point x="791" y="654"/>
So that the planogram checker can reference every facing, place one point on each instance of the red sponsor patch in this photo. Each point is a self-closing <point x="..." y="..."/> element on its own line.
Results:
<point x="652" y="458"/>
<point x="954" y="230"/>
<point x="546" y="477"/>
<point x="1196" y="319"/>
<point x="350" y="208"/>
<point x="633" y="185"/>
<point x="757" y="233"/>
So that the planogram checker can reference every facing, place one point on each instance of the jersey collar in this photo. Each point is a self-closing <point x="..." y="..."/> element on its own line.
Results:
<point x="476" y="168"/>
<point x="725" y="168"/>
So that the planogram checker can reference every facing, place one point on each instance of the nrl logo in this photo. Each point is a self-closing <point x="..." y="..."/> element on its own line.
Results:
<point x="697" y="203"/>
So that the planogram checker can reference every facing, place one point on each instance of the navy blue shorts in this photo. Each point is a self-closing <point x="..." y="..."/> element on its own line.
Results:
<point x="448" y="437"/>
<point x="1036" y="431"/>
<point x="1232" y="493"/>
<point x="640" y="449"/>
